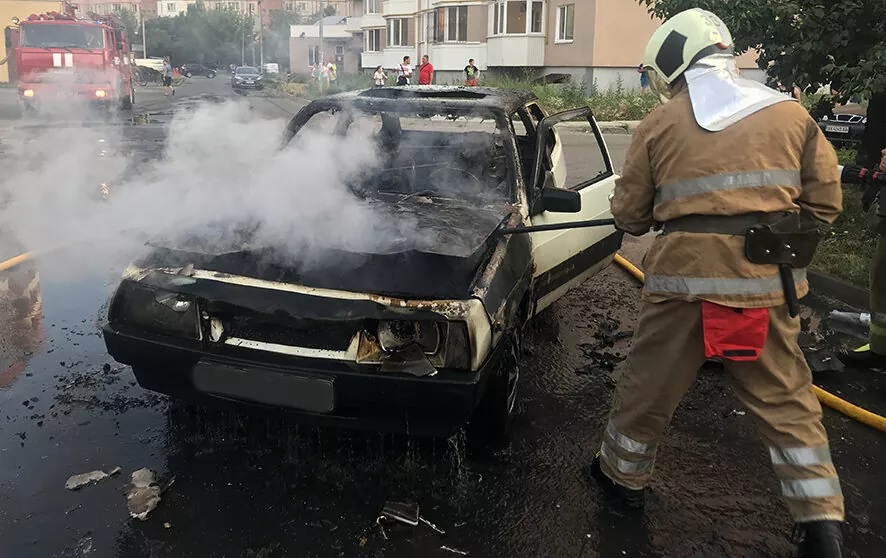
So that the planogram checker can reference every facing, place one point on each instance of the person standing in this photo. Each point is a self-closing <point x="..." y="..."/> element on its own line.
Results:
<point x="471" y="74"/>
<point x="644" y="79"/>
<point x="332" y="71"/>
<point x="167" y="77"/>
<point x="380" y="77"/>
<point x="425" y="71"/>
<point x="404" y="74"/>
<point x="718" y="157"/>
<point x="874" y="356"/>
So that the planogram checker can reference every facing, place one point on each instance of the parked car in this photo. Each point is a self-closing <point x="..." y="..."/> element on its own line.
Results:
<point x="846" y="125"/>
<point x="247" y="77"/>
<point x="191" y="70"/>
<point x="426" y="333"/>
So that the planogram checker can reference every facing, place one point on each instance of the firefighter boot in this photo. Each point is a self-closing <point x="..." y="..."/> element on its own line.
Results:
<point x="630" y="497"/>
<point x="820" y="539"/>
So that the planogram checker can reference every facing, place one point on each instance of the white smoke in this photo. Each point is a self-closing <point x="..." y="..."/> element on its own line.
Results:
<point x="221" y="167"/>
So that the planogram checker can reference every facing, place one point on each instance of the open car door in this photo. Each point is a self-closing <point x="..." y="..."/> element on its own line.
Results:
<point x="571" y="156"/>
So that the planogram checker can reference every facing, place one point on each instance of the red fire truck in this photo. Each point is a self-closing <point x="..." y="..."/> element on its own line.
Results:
<point x="57" y="57"/>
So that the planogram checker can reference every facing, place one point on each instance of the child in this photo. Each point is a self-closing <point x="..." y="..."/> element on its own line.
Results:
<point x="379" y="76"/>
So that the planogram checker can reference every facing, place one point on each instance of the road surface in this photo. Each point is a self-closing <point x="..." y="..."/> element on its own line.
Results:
<point x="249" y="485"/>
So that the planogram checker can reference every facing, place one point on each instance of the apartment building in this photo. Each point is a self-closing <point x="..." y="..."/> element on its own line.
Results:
<point x="172" y="8"/>
<point x="595" y="41"/>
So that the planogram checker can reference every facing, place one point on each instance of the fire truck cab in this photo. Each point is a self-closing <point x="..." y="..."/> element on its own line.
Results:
<point x="61" y="58"/>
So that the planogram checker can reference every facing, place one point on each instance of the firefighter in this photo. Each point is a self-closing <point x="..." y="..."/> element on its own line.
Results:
<point x="875" y="355"/>
<point x="723" y="168"/>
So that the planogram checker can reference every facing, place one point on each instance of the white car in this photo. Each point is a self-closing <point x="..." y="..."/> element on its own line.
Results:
<point x="425" y="333"/>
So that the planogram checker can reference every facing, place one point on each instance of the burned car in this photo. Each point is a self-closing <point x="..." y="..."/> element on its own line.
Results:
<point x="426" y="334"/>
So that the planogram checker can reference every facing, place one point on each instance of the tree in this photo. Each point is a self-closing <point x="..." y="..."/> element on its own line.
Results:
<point x="811" y="42"/>
<point x="276" y="35"/>
<point x="129" y="19"/>
<point x="199" y="35"/>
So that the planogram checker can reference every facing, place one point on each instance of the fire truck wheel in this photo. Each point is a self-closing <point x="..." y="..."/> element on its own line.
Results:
<point x="128" y="101"/>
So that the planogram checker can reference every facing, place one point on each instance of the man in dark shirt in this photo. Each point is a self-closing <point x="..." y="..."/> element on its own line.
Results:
<point x="471" y="72"/>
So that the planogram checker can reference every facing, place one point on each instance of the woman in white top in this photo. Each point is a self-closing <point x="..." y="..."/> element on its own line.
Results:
<point x="380" y="76"/>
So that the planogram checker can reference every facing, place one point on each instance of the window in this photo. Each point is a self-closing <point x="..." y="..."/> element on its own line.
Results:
<point x="510" y="17"/>
<point x="457" y="24"/>
<point x="373" y="40"/>
<point x="434" y="26"/>
<point x="313" y="55"/>
<point x="398" y="32"/>
<point x="372" y="6"/>
<point x="170" y="7"/>
<point x="565" y="22"/>
<point x="537" y="19"/>
<point x="117" y="7"/>
<point x="339" y="50"/>
<point x="498" y="21"/>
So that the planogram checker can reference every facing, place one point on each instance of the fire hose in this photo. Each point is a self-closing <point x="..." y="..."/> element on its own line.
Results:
<point x="852" y="411"/>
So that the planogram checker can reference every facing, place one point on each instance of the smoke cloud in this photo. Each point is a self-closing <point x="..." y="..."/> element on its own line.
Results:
<point x="220" y="169"/>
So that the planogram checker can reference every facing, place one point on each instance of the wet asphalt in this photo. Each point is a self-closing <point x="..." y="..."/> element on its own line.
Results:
<point x="249" y="484"/>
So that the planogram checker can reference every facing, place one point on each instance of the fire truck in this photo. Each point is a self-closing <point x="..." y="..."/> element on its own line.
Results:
<point x="59" y="57"/>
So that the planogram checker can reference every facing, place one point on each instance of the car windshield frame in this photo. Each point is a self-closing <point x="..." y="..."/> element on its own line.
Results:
<point x="497" y="116"/>
<point x="72" y="36"/>
<point x="247" y="71"/>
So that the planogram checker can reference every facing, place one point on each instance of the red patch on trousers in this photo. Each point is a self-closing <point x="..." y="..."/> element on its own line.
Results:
<point x="734" y="333"/>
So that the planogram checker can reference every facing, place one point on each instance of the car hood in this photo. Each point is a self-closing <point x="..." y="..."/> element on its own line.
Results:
<point x="441" y="260"/>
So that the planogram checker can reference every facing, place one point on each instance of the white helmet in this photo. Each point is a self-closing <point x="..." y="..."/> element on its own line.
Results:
<point x="679" y="43"/>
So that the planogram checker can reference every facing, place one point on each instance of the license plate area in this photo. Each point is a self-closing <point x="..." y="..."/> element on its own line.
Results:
<point x="265" y="386"/>
<point x="837" y="129"/>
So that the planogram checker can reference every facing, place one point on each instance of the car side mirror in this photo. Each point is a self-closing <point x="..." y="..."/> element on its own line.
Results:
<point x="557" y="200"/>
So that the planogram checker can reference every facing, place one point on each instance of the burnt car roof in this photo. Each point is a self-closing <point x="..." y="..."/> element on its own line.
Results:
<point x="404" y="99"/>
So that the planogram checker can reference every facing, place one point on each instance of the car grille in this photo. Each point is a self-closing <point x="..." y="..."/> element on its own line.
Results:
<point x="848" y="118"/>
<point x="312" y="334"/>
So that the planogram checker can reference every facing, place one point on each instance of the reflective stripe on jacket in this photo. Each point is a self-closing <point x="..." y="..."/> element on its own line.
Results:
<point x="774" y="160"/>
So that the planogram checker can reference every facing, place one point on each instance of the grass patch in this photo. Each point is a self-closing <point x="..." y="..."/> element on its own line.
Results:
<point x="847" y="247"/>
<point x="615" y="103"/>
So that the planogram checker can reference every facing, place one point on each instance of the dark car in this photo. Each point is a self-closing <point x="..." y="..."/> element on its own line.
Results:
<point x="425" y="332"/>
<point x="191" y="70"/>
<point x="247" y="77"/>
<point x="845" y="125"/>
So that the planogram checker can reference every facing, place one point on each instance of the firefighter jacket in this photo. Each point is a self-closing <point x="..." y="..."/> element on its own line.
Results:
<point x="775" y="160"/>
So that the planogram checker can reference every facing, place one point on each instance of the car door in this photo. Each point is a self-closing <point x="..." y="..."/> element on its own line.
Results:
<point x="571" y="155"/>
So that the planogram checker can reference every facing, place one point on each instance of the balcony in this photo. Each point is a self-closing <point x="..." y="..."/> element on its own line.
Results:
<point x="399" y="7"/>
<point x="354" y="25"/>
<point x="516" y="50"/>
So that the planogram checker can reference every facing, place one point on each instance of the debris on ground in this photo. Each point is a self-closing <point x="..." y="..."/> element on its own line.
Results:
<point x="400" y="511"/>
<point x="454" y="550"/>
<point x="735" y="413"/>
<point x="79" y="481"/>
<point x="431" y="525"/>
<point x="144" y="496"/>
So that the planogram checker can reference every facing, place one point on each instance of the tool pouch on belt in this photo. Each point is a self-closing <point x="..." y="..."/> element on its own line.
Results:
<point x="734" y="333"/>
<point x="790" y="244"/>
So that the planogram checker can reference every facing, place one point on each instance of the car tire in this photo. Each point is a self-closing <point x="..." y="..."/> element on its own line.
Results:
<point x="210" y="75"/>
<point x="128" y="101"/>
<point x="490" y="425"/>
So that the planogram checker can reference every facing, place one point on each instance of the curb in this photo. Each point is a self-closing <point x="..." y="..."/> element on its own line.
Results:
<point x="838" y="289"/>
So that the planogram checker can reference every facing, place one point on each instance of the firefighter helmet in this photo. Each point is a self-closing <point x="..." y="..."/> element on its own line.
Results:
<point x="680" y="42"/>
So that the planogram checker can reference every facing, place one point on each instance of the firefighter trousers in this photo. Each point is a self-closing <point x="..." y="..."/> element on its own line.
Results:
<point x="878" y="292"/>
<point x="668" y="352"/>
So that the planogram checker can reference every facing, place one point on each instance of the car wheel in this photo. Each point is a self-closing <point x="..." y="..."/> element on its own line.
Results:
<point x="188" y="74"/>
<point x="492" y="420"/>
<point x="210" y="75"/>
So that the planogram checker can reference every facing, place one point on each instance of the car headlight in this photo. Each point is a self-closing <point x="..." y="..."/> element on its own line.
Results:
<point x="864" y="120"/>
<point x="444" y="343"/>
<point x="155" y="310"/>
<point x="825" y="118"/>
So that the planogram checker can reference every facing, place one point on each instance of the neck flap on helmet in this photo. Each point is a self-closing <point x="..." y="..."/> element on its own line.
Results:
<point x="721" y="97"/>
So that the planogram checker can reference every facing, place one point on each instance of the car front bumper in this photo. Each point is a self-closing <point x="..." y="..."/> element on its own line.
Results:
<point x="852" y="133"/>
<point x="326" y="392"/>
<point x="243" y="85"/>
